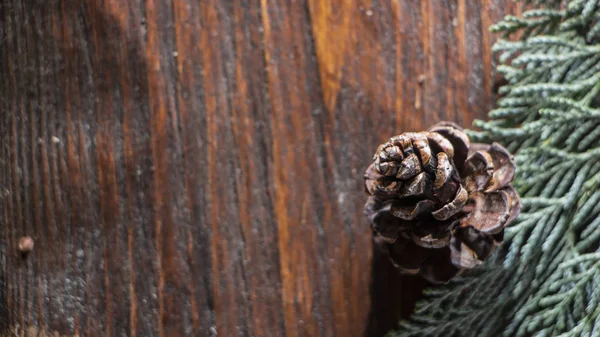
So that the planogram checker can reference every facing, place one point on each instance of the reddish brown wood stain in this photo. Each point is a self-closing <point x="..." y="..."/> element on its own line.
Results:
<point x="188" y="168"/>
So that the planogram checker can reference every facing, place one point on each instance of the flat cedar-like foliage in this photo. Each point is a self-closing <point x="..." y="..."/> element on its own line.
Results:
<point x="546" y="279"/>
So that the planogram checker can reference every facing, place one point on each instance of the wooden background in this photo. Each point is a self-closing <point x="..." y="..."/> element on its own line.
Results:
<point x="193" y="168"/>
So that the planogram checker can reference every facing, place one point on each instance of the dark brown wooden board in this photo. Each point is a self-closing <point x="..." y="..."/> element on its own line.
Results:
<point x="193" y="167"/>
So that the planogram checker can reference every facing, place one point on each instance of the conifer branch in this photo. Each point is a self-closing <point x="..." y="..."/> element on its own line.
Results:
<point x="546" y="279"/>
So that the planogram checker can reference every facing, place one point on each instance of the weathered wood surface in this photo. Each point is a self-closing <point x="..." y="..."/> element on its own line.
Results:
<point x="193" y="168"/>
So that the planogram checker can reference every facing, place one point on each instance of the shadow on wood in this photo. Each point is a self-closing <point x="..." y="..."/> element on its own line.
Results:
<point x="393" y="295"/>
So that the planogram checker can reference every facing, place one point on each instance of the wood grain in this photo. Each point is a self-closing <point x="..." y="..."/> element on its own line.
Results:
<point x="194" y="168"/>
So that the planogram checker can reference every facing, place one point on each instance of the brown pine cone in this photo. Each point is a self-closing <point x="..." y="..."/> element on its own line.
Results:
<point x="437" y="203"/>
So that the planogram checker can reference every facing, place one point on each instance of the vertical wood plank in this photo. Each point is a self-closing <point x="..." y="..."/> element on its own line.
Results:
<point x="300" y="211"/>
<point x="193" y="168"/>
<point x="190" y="98"/>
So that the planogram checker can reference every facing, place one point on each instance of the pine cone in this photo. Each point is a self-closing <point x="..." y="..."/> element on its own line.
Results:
<point x="437" y="203"/>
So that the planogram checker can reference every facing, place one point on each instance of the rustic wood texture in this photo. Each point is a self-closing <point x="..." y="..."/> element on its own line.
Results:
<point x="194" y="168"/>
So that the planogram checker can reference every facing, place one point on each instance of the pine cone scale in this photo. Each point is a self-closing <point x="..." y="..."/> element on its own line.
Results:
<point x="459" y="140"/>
<point x="504" y="168"/>
<point x="440" y="144"/>
<point x="515" y="203"/>
<point x="479" y="170"/>
<point x="417" y="186"/>
<point x="409" y="167"/>
<point x="481" y="244"/>
<point x="428" y="241"/>
<point x="410" y="212"/>
<point x="421" y="146"/>
<point x="450" y="209"/>
<point x="444" y="170"/>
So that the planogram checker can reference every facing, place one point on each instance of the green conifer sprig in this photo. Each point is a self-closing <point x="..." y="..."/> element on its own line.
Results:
<point x="546" y="279"/>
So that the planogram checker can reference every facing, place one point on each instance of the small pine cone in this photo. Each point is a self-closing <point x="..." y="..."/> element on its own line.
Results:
<point x="437" y="203"/>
